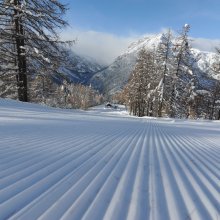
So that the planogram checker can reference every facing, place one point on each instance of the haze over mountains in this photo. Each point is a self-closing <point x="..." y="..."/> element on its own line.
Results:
<point x="112" y="78"/>
<point x="80" y="69"/>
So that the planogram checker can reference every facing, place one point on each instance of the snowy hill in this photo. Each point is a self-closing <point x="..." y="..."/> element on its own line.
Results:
<point x="103" y="164"/>
<point x="114" y="77"/>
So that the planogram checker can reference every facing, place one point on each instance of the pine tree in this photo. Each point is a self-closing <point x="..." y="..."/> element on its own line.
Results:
<point x="29" y="43"/>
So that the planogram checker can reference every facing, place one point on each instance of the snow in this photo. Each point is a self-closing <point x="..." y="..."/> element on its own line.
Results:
<point x="36" y="50"/>
<point x="116" y="75"/>
<point x="105" y="164"/>
<point x="203" y="92"/>
<point x="186" y="26"/>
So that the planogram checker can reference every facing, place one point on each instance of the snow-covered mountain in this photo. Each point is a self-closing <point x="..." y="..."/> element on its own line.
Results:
<point x="115" y="76"/>
<point x="80" y="69"/>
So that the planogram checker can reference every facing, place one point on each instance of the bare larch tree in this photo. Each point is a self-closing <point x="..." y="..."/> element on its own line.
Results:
<point x="29" y="40"/>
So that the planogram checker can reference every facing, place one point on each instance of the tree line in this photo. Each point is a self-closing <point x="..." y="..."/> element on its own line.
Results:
<point x="65" y="95"/>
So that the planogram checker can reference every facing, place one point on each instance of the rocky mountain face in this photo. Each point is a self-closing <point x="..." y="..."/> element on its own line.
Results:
<point x="115" y="76"/>
<point x="80" y="69"/>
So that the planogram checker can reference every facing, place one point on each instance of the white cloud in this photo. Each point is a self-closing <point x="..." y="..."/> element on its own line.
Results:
<point x="205" y="44"/>
<point x="105" y="47"/>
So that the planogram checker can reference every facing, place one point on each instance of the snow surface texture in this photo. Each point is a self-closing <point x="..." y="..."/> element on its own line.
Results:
<point x="103" y="164"/>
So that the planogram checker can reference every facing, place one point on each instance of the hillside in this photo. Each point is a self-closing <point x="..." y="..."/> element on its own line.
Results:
<point x="80" y="69"/>
<point x="115" y="76"/>
<point x="103" y="164"/>
<point x="77" y="69"/>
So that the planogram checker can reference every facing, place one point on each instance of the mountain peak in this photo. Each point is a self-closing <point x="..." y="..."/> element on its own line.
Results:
<point x="148" y="42"/>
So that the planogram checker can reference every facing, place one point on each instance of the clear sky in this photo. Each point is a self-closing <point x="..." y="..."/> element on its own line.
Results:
<point x="123" y="17"/>
<point x="129" y="18"/>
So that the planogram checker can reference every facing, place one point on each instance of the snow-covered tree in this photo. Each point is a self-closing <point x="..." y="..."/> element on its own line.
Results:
<point x="43" y="90"/>
<point x="164" y="61"/>
<point x="182" y="74"/>
<point x="77" y="96"/>
<point x="215" y="101"/>
<point x="141" y="86"/>
<point x="29" y="43"/>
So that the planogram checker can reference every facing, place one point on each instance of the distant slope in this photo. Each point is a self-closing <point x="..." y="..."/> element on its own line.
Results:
<point x="80" y="69"/>
<point x="62" y="164"/>
<point x="114" y="77"/>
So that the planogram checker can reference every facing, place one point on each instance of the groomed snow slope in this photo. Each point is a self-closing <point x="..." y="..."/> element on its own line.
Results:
<point x="60" y="164"/>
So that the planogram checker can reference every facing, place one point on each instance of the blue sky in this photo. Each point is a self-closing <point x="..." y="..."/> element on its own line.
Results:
<point x="124" y="17"/>
<point x="109" y="26"/>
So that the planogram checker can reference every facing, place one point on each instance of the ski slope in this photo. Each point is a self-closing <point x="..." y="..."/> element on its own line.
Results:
<point x="103" y="164"/>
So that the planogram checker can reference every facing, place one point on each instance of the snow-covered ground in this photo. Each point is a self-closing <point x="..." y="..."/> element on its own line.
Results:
<point x="103" y="164"/>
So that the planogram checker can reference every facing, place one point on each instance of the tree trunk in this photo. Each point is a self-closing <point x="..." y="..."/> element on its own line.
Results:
<point x="161" y="101"/>
<point x="21" y="56"/>
<point x="172" y="103"/>
<point x="213" y="108"/>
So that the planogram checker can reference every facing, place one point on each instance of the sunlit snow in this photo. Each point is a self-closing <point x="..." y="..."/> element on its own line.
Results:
<point x="105" y="164"/>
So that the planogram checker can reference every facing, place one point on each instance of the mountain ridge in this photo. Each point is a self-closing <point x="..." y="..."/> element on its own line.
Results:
<point x="114" y="77"/>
